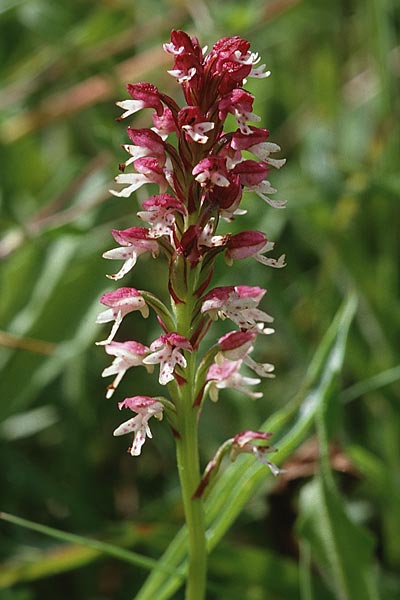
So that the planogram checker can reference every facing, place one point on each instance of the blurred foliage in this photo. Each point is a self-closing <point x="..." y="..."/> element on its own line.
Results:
<point x="332" y="103"/>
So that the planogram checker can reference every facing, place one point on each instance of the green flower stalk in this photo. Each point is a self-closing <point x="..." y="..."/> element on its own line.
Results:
<point x="201" y="180"/>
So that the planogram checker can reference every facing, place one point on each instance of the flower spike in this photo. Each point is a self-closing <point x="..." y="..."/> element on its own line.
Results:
<point x="198" y="170"/>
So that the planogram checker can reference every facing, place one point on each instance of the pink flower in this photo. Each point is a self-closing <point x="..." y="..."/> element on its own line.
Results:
<point x="181" y="43"/>
<point x="185" y="69"/>
<point x="148" y="171"/>
<point x="166" y="351"/>
<point x="241" y="141"/>
<point x="227" y="62"/>
<point x="160" y="211"/>
<point x="251" y="172"/>
<point x="239" y="304"/>
<point x="191" y="120"/>
<point x="145" y="407"/>
<point x="235" y="62"/>
<point x="225" y="374"/>
<point x="207" y="239"/>
<point x="252" y="175"/>
<point x="237" y="345"/>
<point x="145" y="143"/>
<point x="197" y="241"/>
<point x="188" y="63"/>
<point x="120" y="302"/>
<point x="164" y="124"/>
<point x="205" y="169"/>
<point x="127" y="354"/>
<point x="251" y="243"/>
<point x="134" y="242"/>
<point x="227" y="198"/>
<point x="211" y="171"/>
<point x="145" y="95"/>
<point x="240" y="104"/>
<point x="256" y="144"/>
<point x="249" y="442"/>
<point x="262" y="189"/>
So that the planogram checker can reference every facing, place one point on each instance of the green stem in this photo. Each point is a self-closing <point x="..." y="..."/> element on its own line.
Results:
<point x="189" y="465"/>
<point x="189" y="474"/>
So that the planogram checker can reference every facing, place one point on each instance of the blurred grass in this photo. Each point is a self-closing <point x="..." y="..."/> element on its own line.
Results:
<point x="332" y="103"/>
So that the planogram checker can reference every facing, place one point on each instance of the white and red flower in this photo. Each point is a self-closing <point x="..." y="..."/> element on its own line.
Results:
<point x="144" y="95"/>
<point x="254" y="442"/>
<point x="134" y="242"/>
<point x="192" y="120"/>
<point x="211" y="171"/>
<point x="127" y="354"/>
<point x="148" y="171"/>
<point x="239" y="304"/>
<point x="237" y="345"/>
<point x="159" y="211"/>
<point x="145" y="143"/>
<point x="167" y="352"/>
<point x="120" y="302"/>
<point x="145" y="407"/>
<point x="240" y="104"/>
<point x="252" y="244"/>
<point x="225" y="374"/>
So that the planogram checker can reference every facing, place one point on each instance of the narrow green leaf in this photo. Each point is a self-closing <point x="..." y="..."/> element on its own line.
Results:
<point x="306" y="590"/>
<point x="71" y="557"/>
<point x="371" y="384"/>
<point x="342" y="549"/>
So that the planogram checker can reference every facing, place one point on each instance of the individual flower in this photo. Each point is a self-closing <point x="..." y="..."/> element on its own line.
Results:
<point x="145" y="407"/>
<point x="145" y="143"/>
<point x="211" y="171"/>
<point x="231" y="61"/>
<point x="127" y="354"/>
<point x="164" y="124"/>
<point x="145" y="95"/>
<point x="248" y="442"/>
<point x="256" y="143"/>
<point x="120" y="302"/>
<point x="238" y="303"/>
<point x="188" y="64"/>
<point x="227" y="198"/>
<point x="167" y="352"/>
<point x="262" y="189"/>
<point x="253" y="442"/>
<point x="240" y="104"/>
<point x="237" y="345"/>
<point x="254" y="244"/>
<point x="148" y="171"/>
<point x="225" y="374"/>
<point x="194" y="123"/>
<point x="181" y="43"/>
<point x="159" y="211"/>
<point x="134" y="242"/>
<point x="251" y="173"/>
<point x="207" y="239"/>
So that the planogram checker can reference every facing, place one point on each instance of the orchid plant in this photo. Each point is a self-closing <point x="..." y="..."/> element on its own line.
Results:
<point x="201" y="173"/>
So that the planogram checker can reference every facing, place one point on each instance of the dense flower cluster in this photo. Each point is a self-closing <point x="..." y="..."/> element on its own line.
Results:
<point x="201" y="171"/>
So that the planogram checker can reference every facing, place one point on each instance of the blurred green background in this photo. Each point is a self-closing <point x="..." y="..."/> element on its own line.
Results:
<point x="332" y="104"/>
